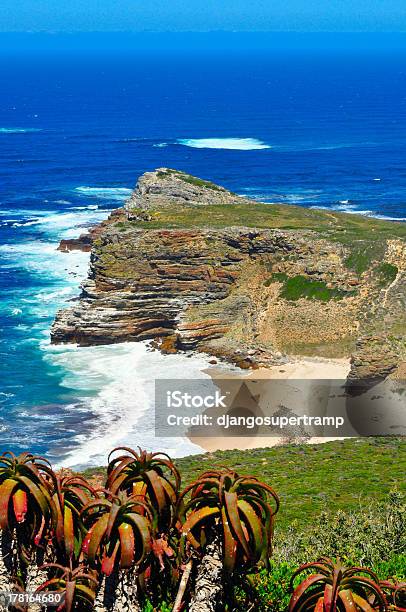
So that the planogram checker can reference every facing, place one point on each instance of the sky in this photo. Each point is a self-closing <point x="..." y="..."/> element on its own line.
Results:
<point x="202" y="15"/>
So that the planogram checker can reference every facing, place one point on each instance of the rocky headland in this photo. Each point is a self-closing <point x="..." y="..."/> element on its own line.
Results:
<point x="191" y="266"/>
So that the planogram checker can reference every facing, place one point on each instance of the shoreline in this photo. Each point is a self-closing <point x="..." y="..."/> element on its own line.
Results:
<point x="299" y="368"/>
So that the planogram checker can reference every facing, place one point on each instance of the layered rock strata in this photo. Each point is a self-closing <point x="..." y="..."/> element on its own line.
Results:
<point x="252" y="295"/>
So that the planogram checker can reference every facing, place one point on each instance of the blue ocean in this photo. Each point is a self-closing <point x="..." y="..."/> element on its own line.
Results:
<point x="310" y="128"/>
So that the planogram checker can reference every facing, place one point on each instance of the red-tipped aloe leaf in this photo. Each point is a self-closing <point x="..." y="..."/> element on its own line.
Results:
<point x="127" y="543"/>
<point x="141" y="523"/>
<point x="6" y="489"/>
<point x="40" y="495"/>
<point x="20" y="505"/>
<point x="107" y="565"/>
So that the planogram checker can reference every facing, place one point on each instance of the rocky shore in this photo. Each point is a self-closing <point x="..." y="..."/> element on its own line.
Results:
<point x="192" y="266"/>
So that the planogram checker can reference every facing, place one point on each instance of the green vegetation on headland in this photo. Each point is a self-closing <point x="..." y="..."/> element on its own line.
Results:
<point x="296" y="287"/>
<point x="188" y="178"/>
<point x="271" y="216"/>
<point x="387" y="273"/>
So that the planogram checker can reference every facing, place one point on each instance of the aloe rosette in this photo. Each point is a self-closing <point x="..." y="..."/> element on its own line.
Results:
<point x="24" y="496"/>
<point x="151" y="476"/>
<point x="241" y="507"/>
<point x="76" y="586"/>
<point x="335" y="587"/>
<point x="119" y="532"/>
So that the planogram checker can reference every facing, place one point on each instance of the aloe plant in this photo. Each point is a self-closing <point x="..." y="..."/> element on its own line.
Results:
<point x="76" y="585"/>
<point x="334" y="587"/>
<point x="118" y="539"/>
<point x="25" y="512"/>
<point x="229" y="520"/>
<point x="24" y="496"/>
<point x="242" y="507"/>
<point x="151" y="476"/>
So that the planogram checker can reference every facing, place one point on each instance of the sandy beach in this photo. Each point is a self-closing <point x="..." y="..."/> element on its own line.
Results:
<point x="300" y="369"/>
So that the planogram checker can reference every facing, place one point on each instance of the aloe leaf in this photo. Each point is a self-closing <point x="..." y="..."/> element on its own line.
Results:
<point x="114" y="510"/>
<point x="127" y="543"/>
<point x="320" y="606"/>
<point x="255" y="527"/>
<point x="69" y="595"/>
<point x="157" y="488"/>
<point x="108" y="562"/>
<point x="40" y="495"/>
<point x="194" y="519"/>
<point x="98" y="532"/>
<point x="6" y="490"/>
<point x="362" y="603"/>
<point x="230" y="545"/>
<point x="235" y="522"/>
<point x="20" y="505"/>
<point x="142" y="525"/>
<point x="68" y="531"/>
<point x="347" y="600"/>
<point x="302" y="588"/>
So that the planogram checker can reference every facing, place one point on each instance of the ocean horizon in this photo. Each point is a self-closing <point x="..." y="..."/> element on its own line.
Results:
<point x="310" y="128"/>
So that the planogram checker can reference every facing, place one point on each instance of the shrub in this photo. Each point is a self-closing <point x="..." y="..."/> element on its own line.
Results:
<point x="374" y="536"/>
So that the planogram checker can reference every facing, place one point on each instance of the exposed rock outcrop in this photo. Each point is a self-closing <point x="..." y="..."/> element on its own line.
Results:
<point x="172" y="268"/>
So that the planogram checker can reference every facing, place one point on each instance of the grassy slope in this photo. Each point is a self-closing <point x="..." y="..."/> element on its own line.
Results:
<point x="310" y="478"/>
<point x="260" y="215"/>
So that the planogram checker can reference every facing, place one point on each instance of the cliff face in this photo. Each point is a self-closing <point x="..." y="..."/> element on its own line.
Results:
<point x="193" y="266"/>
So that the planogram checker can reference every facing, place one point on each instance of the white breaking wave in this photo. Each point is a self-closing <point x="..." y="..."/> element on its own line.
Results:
<point x="352" y="209"/>
<point x="111" y="193"/>
<point x="238" y="144"/>
<point x="65" y="224"/>
<point x="4" y="130"/>
<point x="387" y="218"/>
<point x="116" y="384"/>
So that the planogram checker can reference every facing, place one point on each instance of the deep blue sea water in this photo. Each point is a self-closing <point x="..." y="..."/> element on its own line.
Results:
<point x="314" y="129"/>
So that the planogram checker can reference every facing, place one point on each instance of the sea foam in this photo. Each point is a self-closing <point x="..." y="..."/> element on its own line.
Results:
<point x="116" y="384"/>
<point x="5" y="130"/>
<point x="238" y="144"/>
